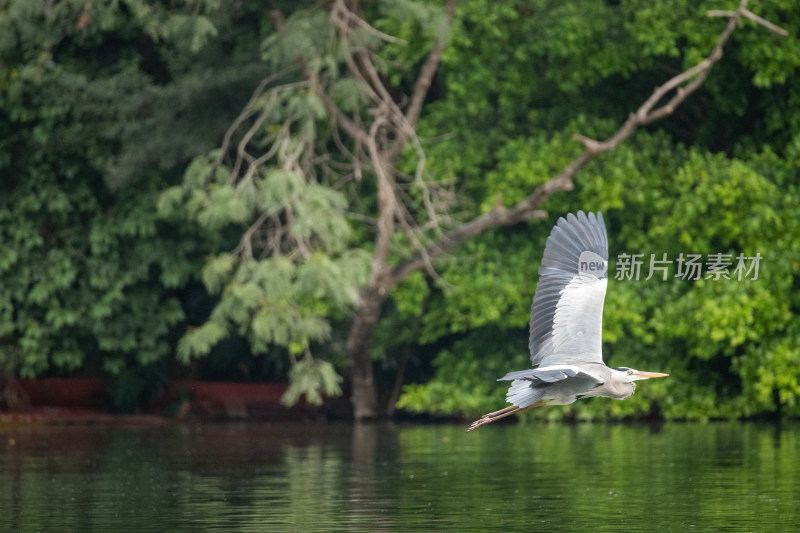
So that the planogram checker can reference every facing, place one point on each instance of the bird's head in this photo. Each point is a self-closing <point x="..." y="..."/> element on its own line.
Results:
<point x="629" y="375"/>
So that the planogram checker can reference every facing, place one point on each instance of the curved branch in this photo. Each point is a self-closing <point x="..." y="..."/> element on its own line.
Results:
<point x="422" y="85"/>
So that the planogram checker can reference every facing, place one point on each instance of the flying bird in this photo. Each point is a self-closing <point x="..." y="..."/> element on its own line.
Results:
<point x="567" y="324"/>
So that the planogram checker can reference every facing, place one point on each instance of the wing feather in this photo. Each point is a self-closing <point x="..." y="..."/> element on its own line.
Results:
<point x="567" y="309"/>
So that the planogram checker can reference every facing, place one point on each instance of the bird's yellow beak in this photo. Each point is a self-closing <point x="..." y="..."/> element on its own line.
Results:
<point x="648" y="375"/>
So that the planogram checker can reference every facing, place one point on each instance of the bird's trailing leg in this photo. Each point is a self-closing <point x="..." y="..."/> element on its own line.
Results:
<point x="502" y="413"/>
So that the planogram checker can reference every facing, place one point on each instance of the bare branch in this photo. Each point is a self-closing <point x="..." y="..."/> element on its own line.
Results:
<point x="767" y="24"/>
<point x="248" y="112"/>
<point x="416" y="237"/>
<point x="241" y="149"/>
<point x="361" y="65"/>
<point x="422" y="85"/>
<point x="494" y="218"/>
<point x="255" y="164"/>
<point x="389" y="126"/>
<point x="383" y="97"/>
<point x="344" y="33"/>
<point x="752" y="16"/>
<point x="250" y="108"/>
<point x="346" y="123"/>
<point x="245" y="247"/>
<point x="429" y="68"/>
<point x="387" y="202"/>
<point x="720" y="13"/>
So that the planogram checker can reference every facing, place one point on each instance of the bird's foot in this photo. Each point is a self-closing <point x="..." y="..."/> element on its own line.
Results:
<point x="491" y="417"/>
<point x="502" y="413"/>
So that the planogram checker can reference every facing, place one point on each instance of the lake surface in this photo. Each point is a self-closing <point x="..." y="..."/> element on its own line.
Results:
<point x="384" y="477"/>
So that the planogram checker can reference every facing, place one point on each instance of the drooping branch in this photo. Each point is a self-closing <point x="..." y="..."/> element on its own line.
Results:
<point x="682" y="84"/>
<point x="390" y="129"/>
<point x="361" y="65"/>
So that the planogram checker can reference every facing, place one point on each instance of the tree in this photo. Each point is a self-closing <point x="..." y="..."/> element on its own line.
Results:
<point x="330" y="142"/>
<point x="289" y="199"/>
<point x="100" y="105"/>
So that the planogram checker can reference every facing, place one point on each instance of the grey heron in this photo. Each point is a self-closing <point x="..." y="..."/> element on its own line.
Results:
<point x="566" y="325"/>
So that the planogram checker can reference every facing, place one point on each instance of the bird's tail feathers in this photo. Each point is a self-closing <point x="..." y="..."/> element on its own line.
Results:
<point x="521" y="394"/>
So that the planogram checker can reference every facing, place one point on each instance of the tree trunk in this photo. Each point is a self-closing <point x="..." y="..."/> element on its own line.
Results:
<point x="364" y="396"/>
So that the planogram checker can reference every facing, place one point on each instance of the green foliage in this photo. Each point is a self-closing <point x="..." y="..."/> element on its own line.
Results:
<point x="465" y="374"/>
<point x="65" y="294"/>
<point x="99" y="104"/>
<point x="311" y="379"/>
<point x="485" y="286"/>
<point x="305" y="34"/>
<point x="281" y="300"/>
<point x="275" y="302"/>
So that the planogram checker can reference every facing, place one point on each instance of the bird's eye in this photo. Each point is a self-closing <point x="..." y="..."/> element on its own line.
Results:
<point x="630" y="372"/>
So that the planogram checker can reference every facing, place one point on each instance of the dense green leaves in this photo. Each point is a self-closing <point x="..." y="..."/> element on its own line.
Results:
<point x="310" y="379"/>
<point x="100" y="103"/>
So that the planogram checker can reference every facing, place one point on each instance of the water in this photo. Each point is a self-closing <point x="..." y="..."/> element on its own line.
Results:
<point x="339" y="477"/>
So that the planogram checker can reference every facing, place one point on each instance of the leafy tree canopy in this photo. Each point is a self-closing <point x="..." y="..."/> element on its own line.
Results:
<point x="137" y="180"/>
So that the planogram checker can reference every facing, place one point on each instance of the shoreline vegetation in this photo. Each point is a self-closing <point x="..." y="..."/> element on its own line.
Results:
<point x="84" y="401"/>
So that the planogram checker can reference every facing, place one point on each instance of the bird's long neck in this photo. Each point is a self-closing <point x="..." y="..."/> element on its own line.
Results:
<point x="624" y="390"/>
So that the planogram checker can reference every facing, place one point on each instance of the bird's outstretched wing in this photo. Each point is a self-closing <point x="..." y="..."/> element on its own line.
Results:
<point x="567" y="311"/>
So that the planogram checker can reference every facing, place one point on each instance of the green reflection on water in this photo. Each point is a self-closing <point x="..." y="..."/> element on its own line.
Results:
<point x="298" y="477"/>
